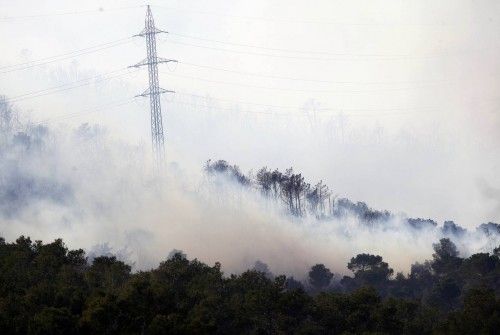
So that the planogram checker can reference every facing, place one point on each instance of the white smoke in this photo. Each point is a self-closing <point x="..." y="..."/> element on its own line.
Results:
<point x="98" y="193"/>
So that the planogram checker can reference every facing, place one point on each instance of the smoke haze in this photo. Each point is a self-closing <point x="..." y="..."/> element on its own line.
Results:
<point x="98" y="193"/>
<point x="403" y="116"/>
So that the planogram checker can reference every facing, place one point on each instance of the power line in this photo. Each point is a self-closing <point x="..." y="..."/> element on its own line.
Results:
<point x="344" y="58"/>
<point x="298" y="20"/>
<point x="320" y="110"/>
<point x="72" y="55"/>
<point x="286" y="50"/>
<point x="64" y="54"/>
<point x="286" y="56"/>
<point x="391" y="111"/>
<point x="100" y="10"/>
<point x="86" y="111"/>
<point x="116" y="73"/>
<point x="292" y="89"/>
<point x="300" y="114"/>
<point x="63" y="85"/>
<point x="78" y="52"/>
<point x="61" y="88"/>
<point x="304" y="79"/>
<point x="347" y="56"/>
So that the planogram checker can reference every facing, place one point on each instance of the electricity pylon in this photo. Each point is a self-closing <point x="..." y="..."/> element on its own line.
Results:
<point x="154" y="90"/>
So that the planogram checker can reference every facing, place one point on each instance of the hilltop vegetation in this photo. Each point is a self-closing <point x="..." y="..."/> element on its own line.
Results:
<point x="301" y="198"/>
<point x="48" y="289"/>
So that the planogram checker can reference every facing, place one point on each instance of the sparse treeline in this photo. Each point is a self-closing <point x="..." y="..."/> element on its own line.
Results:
<point x="301" y="198"/>
<point x="48" y="289"/>
<point x="290" y="188"/>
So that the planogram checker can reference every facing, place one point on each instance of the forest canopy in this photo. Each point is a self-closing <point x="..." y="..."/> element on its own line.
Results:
<point x="49" y="289"/>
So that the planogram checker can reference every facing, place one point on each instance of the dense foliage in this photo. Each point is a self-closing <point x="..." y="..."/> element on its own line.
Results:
<point x="48" y="289"/>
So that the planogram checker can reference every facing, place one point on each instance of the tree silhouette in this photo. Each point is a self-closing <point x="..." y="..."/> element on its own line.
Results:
<point x="370" y="270"/>
<point x="445" y="257"/>
<point x="320" y="276"/>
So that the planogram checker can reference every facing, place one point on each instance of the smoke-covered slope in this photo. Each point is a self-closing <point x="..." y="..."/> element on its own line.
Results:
<point x="96" y="192"/>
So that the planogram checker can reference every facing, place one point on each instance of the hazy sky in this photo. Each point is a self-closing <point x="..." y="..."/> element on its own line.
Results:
<point x="395" y="103"/>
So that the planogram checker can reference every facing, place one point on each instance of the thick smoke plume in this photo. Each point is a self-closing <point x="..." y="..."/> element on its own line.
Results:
<point x="97" y="192"/>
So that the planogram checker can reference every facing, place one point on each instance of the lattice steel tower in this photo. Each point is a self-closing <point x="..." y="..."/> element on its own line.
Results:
<point x="154" y="89"/>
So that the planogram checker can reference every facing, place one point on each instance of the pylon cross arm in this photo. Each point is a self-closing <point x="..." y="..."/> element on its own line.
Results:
<point x="157" y="61"/>
<point x="147" y="31"/>
<point x="148" y="92"/>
